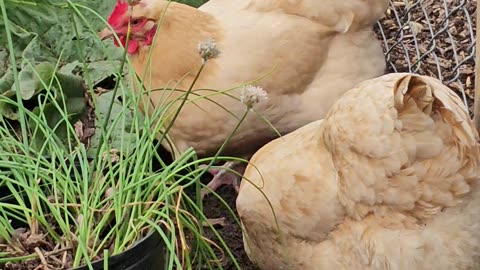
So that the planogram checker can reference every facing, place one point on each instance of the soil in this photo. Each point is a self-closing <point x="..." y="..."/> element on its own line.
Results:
<point x="230" y="231"/>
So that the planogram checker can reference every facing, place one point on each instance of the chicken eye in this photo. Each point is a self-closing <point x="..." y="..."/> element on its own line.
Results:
<point x="135" y="22"/>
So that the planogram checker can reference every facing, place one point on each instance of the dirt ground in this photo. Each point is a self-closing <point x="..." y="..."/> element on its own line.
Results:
<point x="231" y="232"/>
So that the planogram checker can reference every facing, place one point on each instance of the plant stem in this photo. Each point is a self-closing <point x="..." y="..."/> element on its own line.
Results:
<point x="223" y="145"/>
<point x="184" y="100"/>
<point x="110" y="108"/>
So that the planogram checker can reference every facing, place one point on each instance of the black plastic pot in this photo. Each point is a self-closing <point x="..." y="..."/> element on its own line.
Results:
<point x="7" y="197"/>
<point x="150" y="253"/>
<point x="147" y="254"/>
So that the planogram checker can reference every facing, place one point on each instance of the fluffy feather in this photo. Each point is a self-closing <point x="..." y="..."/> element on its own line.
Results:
<point x="309" y="64"/>
<point x="389" y="180"/>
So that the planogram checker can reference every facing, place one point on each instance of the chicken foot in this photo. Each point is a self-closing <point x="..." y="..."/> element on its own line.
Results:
<point x="215" y="222"/>
<point x="224" y="176"/>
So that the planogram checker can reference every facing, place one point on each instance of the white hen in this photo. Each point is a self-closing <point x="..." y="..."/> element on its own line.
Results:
<point x="312" y="52"/>
<point x="389" y="180"/>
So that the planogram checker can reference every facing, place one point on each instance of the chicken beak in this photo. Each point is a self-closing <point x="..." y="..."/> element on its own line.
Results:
<point x="105" y="33"/>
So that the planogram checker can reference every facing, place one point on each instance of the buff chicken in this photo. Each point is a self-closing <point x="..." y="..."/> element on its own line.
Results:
<point x="388" y="180"/>
<point x="304" y="54"/>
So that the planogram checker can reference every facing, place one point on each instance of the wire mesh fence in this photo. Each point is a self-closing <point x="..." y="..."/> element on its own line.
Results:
<point x="432" y="37"/>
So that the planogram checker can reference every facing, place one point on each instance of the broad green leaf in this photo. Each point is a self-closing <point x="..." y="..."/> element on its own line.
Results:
<point x="193" y="3"/>
<point x="7" y="109"/>
<point x="28" y="82"/>
<point x="30" y="79"/>
<point x="3" y="62"/>
<point x="71" y="68"/>
<point x="121" y="130"/>
<point x="6" y="81"/>
<point x="49" y="30"/>
<point x="75" y="107"/>
<point x="56" y="120"/>
<point x="70" y="85"/>
<point x="99" y="71"/>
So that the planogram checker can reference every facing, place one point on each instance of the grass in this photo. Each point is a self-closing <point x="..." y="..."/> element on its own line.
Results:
<point x="91" y="201"/>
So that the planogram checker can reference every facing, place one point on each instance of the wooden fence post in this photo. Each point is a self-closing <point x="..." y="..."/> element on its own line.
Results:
<point x="476" y="105"/>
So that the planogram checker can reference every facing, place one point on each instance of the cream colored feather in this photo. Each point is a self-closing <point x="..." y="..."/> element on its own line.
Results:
<point x="389" y="180"/>
<point x="309" y="63"/>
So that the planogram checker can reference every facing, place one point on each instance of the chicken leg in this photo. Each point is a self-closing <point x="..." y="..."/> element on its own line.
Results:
<point x="225" y="176"/>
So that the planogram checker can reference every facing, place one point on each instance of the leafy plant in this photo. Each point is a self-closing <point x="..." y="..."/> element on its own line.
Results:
<point x="193" y="3"/>
<point x="50" y="53"/>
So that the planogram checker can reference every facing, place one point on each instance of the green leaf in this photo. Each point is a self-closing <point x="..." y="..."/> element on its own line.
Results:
<point x="121" y="130"/>
<point x="49" y="30"/>
<point x="71" y="85"/>
<point x="55" y="120"/>
<point x="28" y="82"/>
<point x="7" y="109"/>
<point x="75" y="107"/>
<point x="6" y="81"/>
<point x="71" y="68"/>
<point x="3" y="62"/>
<point x="50" y="34"/>
<point x="30" y="78"/>
<point x="193" y="3"/>
<point x="71" y="90"/>
<point x="99" y="71"/>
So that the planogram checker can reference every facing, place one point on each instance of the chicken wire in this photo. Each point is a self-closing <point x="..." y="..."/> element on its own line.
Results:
<point x="434" y="38"/>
